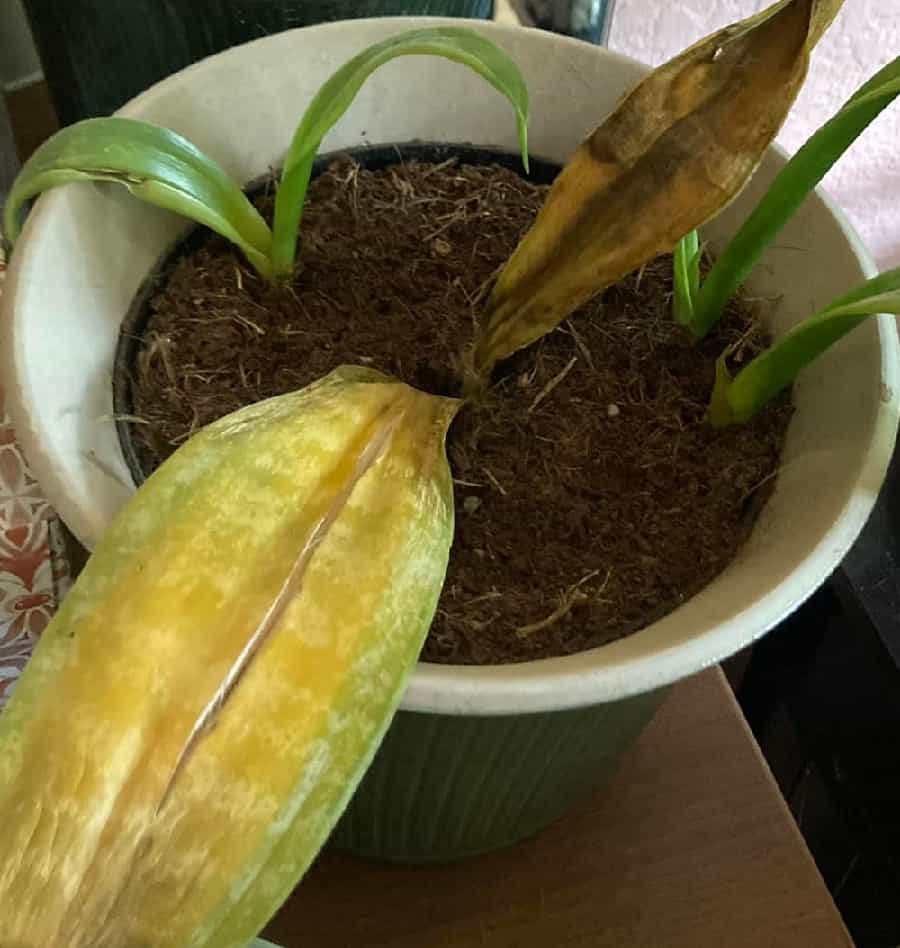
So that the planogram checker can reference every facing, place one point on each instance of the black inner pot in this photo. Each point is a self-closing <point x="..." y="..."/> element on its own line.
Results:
<point x="371" y="157"/>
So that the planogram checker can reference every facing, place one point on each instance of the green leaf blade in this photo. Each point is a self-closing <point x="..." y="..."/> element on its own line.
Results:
<point x="156" y="165"/>
<point x="788" y="191"/>
<point x="776" y="368"/>
<point x="686" y="271"/>
<point x="457" y="44"/>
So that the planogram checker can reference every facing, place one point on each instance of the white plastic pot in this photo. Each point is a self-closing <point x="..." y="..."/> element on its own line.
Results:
<point x="86" y="249"/>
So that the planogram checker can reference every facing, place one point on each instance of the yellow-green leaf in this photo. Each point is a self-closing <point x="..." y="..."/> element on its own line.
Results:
<point x="197" y="715"/>
<point x="677" y="149"/>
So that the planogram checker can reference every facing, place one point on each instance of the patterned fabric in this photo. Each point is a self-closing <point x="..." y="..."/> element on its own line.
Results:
<point x="34" y="573"/>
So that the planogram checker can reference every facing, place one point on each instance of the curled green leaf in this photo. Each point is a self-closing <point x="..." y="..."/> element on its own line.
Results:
<point x="156" y="165"/>
<point x="679" y="147"/>
<point x="739" y="398"/>
<point x="458" y="44"/>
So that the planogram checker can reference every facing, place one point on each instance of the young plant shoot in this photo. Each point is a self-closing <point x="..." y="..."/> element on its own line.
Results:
<point x="740" y="398"/>
<point x="163" y="168"/>
<point x="698" y="304"/>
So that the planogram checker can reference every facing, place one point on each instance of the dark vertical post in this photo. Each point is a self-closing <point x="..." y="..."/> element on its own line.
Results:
<point x="8" y="160"/>
<point x="97" y="54"/>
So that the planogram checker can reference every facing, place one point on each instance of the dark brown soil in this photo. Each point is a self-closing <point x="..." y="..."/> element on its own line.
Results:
<point x="592" y="497"/>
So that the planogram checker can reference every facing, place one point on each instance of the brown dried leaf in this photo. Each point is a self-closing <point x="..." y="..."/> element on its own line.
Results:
<point x="679" y="147"/>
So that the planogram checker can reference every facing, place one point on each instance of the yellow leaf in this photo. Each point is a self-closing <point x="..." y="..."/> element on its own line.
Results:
<point x="198" y="713"/>
<point x="677" y="149"/>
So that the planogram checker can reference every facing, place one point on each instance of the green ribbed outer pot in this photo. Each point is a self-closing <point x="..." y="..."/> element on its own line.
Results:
<point x="443" y="787"/>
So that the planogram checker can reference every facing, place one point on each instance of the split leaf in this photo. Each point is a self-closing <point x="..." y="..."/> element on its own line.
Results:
<point x="199" y="712"/>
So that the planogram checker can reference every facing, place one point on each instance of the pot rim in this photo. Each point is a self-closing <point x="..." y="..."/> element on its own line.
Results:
<point x="610" y="672"/>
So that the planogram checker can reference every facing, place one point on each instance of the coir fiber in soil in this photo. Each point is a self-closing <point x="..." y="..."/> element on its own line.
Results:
<point x="591" y="495"/>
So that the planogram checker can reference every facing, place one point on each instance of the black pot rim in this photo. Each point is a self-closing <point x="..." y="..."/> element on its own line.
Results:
<point x="373" y="157"/>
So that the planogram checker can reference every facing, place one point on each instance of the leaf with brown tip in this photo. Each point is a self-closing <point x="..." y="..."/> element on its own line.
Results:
<point x="679" y="147"/>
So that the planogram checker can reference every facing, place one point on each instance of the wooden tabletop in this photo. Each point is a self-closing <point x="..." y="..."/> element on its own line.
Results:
<point x="691" y="845"/>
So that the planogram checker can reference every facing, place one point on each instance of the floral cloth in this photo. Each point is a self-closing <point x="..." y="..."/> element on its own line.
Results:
<point x="34" y="573"/>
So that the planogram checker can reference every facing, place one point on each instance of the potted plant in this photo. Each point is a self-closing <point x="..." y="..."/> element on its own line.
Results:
<point x="480" y="755"/>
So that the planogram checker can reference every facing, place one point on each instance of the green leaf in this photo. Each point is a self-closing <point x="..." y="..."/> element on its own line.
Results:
<point x="334" y="98"/>
<point x="788" y="191"/>
<point x="156" y="165"/>
<point x="686" y="263"/>
<point x="740" y="398"/>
